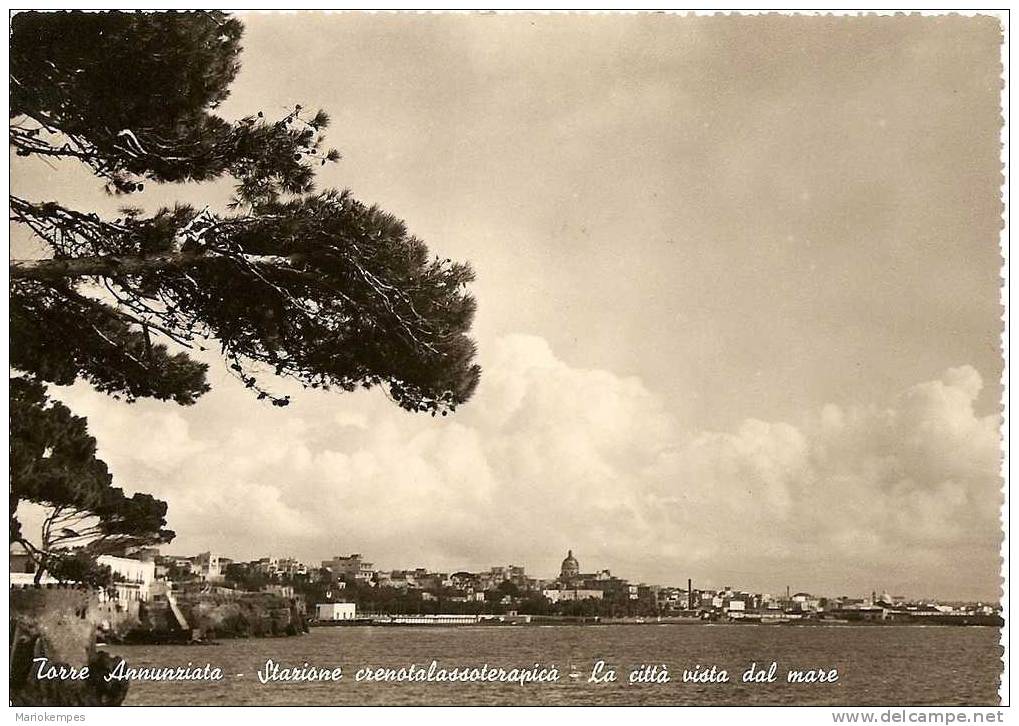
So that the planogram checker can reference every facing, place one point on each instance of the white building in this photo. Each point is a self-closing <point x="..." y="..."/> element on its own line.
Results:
<point x="132" y="578"/>
<point x="335" y="611"/>
<point x="572" y="594"/>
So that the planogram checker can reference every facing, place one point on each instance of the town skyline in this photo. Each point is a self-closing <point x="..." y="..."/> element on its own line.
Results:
<point x="349" y="588"/>
<point x="711" y="585"/>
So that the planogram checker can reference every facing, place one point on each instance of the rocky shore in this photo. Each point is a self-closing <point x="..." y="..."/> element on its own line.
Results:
<point x="220" y="614"/>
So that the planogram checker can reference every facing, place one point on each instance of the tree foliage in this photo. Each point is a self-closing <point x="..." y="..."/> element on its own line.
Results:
<point x="54" y="464"/>
<point x="317" y="287"/>
<point x="78" y="566"/>
<point x="131" y="95"/>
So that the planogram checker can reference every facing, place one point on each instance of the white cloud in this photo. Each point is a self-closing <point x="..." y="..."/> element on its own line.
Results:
<point x="550" y="456"/>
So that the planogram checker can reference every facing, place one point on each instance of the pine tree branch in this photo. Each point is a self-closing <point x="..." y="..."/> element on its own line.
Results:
<point x="101" y="266"/>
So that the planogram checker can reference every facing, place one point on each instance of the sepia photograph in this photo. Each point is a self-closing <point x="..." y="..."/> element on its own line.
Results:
<point x="507" y="359"/>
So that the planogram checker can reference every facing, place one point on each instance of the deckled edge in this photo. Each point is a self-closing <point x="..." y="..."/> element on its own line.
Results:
<point x="1003" y="689"/>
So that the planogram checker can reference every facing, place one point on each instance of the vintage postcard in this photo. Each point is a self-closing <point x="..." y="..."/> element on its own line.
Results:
<point x="507" y="359"/>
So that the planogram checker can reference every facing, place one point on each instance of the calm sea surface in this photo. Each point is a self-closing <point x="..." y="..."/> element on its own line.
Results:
<point x="889" y="665"/>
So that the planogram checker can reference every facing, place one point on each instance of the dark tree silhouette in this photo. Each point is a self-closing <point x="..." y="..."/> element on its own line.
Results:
<point x="320" y="288"/>
<point x="54" y="464"/>
<point x="314" y="286"/>
<point x="131" y="95"/>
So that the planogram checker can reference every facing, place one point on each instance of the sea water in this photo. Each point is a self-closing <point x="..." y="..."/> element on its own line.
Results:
<point x="876" y="665"/>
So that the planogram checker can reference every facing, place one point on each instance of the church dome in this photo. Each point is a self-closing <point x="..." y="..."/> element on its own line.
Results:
<point x="570" y="568"/>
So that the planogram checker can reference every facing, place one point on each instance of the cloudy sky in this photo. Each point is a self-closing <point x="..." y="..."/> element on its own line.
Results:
<point x="738" y="304"/>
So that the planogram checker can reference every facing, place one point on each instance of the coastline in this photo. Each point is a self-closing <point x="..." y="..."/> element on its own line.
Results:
<point x="433" y="621"/>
